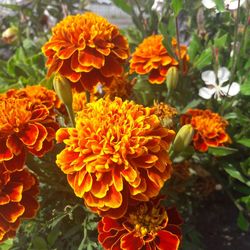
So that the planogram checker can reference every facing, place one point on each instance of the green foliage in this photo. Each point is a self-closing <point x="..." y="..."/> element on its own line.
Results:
<point x="63" y="221"/>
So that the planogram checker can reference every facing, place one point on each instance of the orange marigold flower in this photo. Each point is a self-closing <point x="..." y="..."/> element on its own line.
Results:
<point x="80" y="99"/>
<point x="209" y="128"/>
<point x="152" y="58"/>
<point x="24" y="126"/>
<point x="38" y="95"/>
<point x="120" y="87"/>
<point x="86" y="49"/>
<point x="18" y="191"/>
<point x="117" y="152"/>
<point x="166" y="113"/>
<point x="145" y="226"/>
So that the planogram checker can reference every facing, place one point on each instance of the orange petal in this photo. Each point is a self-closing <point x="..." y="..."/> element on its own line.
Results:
<point x="91" y="57"/>
<point x="12" y="211"/>
<point x="29" y="135"/>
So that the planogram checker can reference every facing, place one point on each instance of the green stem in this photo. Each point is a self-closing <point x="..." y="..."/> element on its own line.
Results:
<point x="178" y="43"/>
<point x="71" y="115"/>
<point x="234" y="46"/>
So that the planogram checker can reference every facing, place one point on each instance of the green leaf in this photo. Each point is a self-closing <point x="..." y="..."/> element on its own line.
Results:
<point x="236" y="174"/>
<point x="177" y="6"/>
<point x="245" y="142"/>
<point x="194" y="47"/>
<point x="6" y="245"/>
<point x="191" y="105"/>
<point x="220" y="41"/>
<point x="122" y="4"/>
<point x="221" y="151"/>
<point x="52" y="237"/>
<point x="220" y="5"/>
<point x="39" y="243"/>
<point x="242" y="222"/>
<point x="245" y="88"/>
<point x="204" y="59"/>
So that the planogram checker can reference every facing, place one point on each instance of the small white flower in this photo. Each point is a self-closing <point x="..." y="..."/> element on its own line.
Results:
<point x="158" y="6"/>
<point x="215" y="84"/>
<point x="229" y="4"/>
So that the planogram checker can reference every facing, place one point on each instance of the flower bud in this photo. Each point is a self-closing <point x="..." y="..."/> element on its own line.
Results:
<point x="183" y="138"/>
<point x="63" y="89"/>
<point x="10" y="35"/>
<point x="172" y="78"/>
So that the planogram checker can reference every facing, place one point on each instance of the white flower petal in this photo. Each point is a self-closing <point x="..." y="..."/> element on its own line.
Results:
<point x="234" y="89"/>
<point x="209" y="77"/>
<point x="206" y="93"/>
<point x="209" y="4"/>
<point x="223" y="75"/>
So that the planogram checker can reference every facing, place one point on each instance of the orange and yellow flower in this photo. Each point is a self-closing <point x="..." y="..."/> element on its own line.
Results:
<point x="24" y="126"/>
<point x="166" y="113"/>
<point x="117" y="152"/>
<point x="145" y="226"/>
<point x="86" y="49"/>
<point x="80" y="99"/>
<point x="18" y="191"/>
<point x="120" y="87"/>
<point x="152" y="58"/>
<point x="210" y="129"/>
<point x="38" y="95"/>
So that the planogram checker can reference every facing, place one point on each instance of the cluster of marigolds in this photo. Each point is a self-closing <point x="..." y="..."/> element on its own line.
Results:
<point x="116" y="157"/>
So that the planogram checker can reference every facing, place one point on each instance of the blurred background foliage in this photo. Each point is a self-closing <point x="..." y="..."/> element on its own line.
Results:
<point x="214" y="38"/>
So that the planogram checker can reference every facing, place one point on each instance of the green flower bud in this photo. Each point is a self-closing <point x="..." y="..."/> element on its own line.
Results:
<point x="63" y="89"/>
<point x="10" y="35"/>
<point x="183" y="138"/>
<point x="172" y="78"/>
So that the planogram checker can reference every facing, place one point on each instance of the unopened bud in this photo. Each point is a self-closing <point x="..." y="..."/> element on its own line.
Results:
<point x="10" y="35"/>
<point x="63" y="89"/>
<point x="172" y="78"/>
<point x="64" y="92"/>
<point x="183" y="138"/>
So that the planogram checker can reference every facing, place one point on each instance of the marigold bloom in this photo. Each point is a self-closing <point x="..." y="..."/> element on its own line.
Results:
<point x="120" y="87"/>
<point x="152" y="58"/>
<point x="209" y="129"/>
<point x="117" y="152"/>
<point x="86" y="49"/>
<point x="24" y="126"/>
<point x="38" y="95"/>
<point x="146" y="226"/>
<point x="80" y="99"/>
<point x="18" y="191"/>
<point x="165" y="113"/>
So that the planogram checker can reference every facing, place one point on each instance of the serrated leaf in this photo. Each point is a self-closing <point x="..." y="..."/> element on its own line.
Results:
<point x="204" y="59"/>
<point x="122" y="4"/>
<point x="242" y="222"/>
<point x="221" y="151"/>
<point x="245" y="142"/>
<point x="177" y="6"/>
